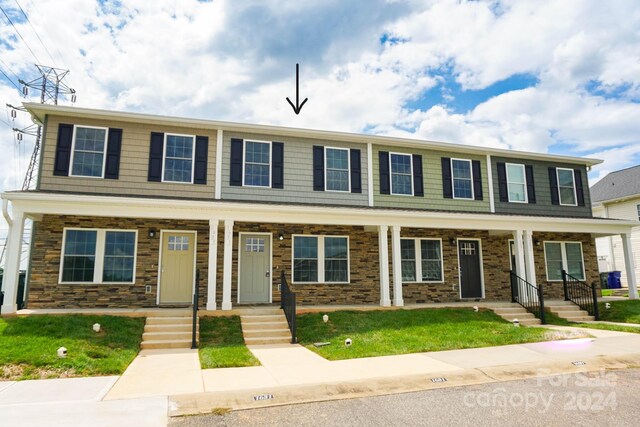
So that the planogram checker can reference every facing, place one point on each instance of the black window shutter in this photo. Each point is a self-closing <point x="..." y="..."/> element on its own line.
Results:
<point x="418" y="185"/>
<point x="114" y="145"/>
<point x="502" y="182"/>
<point x="531" y="187"/>
<point x="202" y="155"/>
<point x="579" y="191"/>
<point x="477" y="179"/>
<point x="156" y="150"/>
<point x="553" y="184"/>
<point x="447" y="183"/>
<point x="277" y="165"/>
<point x="385" y="180"/>
<point x="63" y="150"/>
<point x="235" y="177"/>
<point x="356" y="175"/>
<point x="318" y="168"/>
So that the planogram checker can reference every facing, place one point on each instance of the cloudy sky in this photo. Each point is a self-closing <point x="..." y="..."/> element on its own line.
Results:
<point x="546" y="76"/>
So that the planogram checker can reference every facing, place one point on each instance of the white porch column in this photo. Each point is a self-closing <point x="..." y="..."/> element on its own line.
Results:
<point x="397" y="266"/>
<point x="520" y="263"/>
<point x="213" y="264"/>
<point x="629" y="265"/>
<point x="228" y="264"/>
<point x="530" y="266"/>
<point x="383" y="249"/>
<point x="12" y="266"/>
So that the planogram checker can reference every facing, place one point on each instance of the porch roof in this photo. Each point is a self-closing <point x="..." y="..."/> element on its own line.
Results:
<point x="36" y="204"/>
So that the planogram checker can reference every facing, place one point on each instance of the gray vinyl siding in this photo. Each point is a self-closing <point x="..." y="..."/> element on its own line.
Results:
<point x="298" y="173"/>
<point x="543" y="204"/>
<point x="134" y="163"/>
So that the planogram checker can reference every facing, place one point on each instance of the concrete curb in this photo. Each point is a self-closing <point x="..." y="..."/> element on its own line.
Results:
<point x="206" y="403"/>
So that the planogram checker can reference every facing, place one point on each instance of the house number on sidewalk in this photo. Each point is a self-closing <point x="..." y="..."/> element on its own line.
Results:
<point x="263" y="397"/>
<point x="578" y="363"/>
<point x="439" y="380"/>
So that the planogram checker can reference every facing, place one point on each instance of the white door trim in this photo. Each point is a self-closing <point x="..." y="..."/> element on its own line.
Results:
<point x="262" y="233"/>
<point x="195" y="259"/>
<point x="479" y="240"/>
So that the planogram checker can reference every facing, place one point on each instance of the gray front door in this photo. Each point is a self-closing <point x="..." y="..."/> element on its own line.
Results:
<point x="470" y="276"/>
<point x="255" y="268"/>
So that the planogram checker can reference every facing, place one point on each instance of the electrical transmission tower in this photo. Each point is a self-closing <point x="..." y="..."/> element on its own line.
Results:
<point x="51" y="85"/>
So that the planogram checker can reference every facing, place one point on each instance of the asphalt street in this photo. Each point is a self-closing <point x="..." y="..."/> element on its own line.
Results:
<point x="606" y="398"/>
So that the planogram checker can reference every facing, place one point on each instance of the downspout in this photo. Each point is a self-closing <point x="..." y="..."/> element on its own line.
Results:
<point x="5" y="212"/>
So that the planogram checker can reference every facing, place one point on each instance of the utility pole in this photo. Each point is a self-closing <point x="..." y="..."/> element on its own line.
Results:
<point x="51" y="85"/>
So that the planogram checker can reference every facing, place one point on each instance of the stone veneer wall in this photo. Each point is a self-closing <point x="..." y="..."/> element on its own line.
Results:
<point x="45" y="292"/>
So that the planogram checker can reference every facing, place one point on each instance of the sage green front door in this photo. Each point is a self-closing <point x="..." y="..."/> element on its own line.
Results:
<point x="176" y="268"/>
<point x="255" y="268"/>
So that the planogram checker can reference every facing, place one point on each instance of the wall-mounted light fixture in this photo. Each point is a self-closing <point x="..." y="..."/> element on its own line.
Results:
<point x="152" y="232"/>
<point x="452" y="241"/>
<point x="281" y="236"/>
<point x="536" y="242"/>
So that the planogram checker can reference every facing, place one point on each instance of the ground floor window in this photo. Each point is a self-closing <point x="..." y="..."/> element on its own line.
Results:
<point x="98" y="256"/>
<point x="421" y="260"/>
<point x="564" y="256"/>
<point x="320" y="259"/>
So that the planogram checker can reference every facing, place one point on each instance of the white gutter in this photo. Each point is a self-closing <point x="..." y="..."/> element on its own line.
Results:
<point x="5" y="212"/>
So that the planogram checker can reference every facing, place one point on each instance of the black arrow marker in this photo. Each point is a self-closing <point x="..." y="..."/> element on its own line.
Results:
<point x="298" y="106"/>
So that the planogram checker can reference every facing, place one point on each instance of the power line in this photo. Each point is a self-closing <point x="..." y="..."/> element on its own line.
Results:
<point x="36" y="33"/>
<point x="22" y="38"/>
<point x="9" y="79"/>
<point x="9" y="68"/>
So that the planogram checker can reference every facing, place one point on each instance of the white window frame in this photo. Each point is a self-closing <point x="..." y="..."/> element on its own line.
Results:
<point x="73" y="151"/>
<point x="98" y="269"/>
<point x="321" y="258"/>
<point x="563" y="252"/>
<point x="638" y="209"/>
<point x="244" y="161"/>
<point x="391" y="173"/>
<point x="193" y="157"/>
<point x="418" y="259"/>
<point x="573" y="179"/>
<point x="524" y="175"/>
<point x="453" y="179"/>
<point x="326" y="168"/>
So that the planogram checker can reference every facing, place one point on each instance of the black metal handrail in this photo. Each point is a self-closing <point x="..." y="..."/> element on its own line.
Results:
<point x="528" y="296"/>
<point x="581" y="294"/>
<point x="288" y="305"/>
<point x="196" y="297"/>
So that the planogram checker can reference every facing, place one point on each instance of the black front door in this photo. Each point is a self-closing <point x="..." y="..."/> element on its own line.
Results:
<point x="470" y="279"/>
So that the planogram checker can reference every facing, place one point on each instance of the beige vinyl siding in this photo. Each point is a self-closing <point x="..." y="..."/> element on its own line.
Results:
<point x="298" y="173"/>
<point x="543" y="204"/>
<point x="134" y="163"/>
<point x="432" y="178"/>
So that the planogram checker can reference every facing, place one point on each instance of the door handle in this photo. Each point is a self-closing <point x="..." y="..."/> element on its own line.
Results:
<point x="268" y="274"/>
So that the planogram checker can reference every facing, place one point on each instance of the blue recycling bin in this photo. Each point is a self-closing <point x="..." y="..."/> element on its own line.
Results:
<point x="613" y="280"/>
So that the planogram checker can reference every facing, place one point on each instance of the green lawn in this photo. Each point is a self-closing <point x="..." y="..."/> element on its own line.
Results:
<point x="381" y="333"/>
<point x="28" y="346"/>
<point x="621" y="311"/>
<point x="222" y="345"/>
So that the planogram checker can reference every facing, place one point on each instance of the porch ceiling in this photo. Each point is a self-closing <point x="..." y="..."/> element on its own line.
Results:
<point x="34" y="204"/>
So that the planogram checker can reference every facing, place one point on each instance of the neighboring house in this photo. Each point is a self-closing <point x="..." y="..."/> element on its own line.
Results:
<point x="128" y="206"/>
<point x="617" y="195"/>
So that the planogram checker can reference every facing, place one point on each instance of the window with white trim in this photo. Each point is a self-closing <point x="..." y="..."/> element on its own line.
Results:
<point x="88" y="152"/>
<point x="564" y="256"/>
<point x="337" y="177"/>
<point x="421" y="260"/>
<point x="462" y="180"/>
<point x="516" y="183"/>
<point x="178" y="158"/>
<point x="98" y="256"/>
<point x="638" y="209"/>
<point x="320" y="259"/>
<point x="257" y="164"/>
<point x="401" y="168"/>
<point x="566" y="186"/>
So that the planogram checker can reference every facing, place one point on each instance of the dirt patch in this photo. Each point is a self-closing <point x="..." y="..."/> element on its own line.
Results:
<point x="15" y="372"/>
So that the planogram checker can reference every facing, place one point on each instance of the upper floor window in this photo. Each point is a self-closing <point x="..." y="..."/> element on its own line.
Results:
<point x="566" y="186"/>
<point x="401" y="174"/>
<point x="462" y="180"/>
<point x="421" y="260"/>
<point x="516" y="183"/>
<point x="563" y="256"/>
<point x="320" y="259"/>
<point x="178" y="160"/>
<point x="257" y="164"/>
<point x="337" y="169"/>
<point x="88" y="152"/>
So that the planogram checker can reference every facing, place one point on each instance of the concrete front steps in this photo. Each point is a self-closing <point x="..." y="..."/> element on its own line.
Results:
<point x="265" y="326"/>
<point x="168" y="329"/>
<point x="516" y="311"/>
<point x="568" y="311"/>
